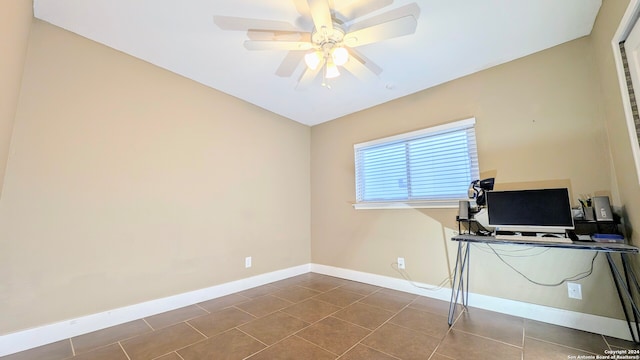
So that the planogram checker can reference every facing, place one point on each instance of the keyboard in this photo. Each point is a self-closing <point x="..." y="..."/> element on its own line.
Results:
<point x="551" y="239"/>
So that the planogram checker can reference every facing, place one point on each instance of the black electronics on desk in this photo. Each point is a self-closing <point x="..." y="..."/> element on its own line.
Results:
<point x="530" y="211"/>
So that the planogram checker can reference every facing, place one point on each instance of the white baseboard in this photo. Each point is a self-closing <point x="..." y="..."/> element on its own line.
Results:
<point x="592" y="323"/>
<point x="46" y="334"/>
<point x="31" y="338"/>
<point x="383" y="281"/>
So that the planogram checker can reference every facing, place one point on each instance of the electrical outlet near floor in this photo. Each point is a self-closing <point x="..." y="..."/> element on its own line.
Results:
<point x="575" y="291"/>
<point x="400" y="263"/>
<point x="247" y="262"/>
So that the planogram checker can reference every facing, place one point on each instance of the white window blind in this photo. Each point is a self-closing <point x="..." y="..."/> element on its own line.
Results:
<point x="426" y="168"/>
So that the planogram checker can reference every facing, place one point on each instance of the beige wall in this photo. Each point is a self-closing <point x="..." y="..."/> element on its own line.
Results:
<point x="539" y="121"/>
<point x="628" y="183"/>
<point x="127" y="183"/>
<point x="15" y="21"/>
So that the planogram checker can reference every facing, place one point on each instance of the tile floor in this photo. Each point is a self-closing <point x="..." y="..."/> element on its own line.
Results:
<point x="314" y="316"/>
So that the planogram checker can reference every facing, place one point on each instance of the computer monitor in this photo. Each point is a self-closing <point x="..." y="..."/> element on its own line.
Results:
<point x="530" y="211"/>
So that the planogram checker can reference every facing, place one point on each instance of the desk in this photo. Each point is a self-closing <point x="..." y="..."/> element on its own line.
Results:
<point x="623" y="278"/>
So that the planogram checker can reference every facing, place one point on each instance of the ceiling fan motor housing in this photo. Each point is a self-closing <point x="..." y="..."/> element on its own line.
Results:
<point x="326" y="39"/>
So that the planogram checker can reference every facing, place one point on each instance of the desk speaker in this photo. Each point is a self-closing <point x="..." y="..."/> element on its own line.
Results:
<point x="602" y="208"/>
<point x="463" y="210"/>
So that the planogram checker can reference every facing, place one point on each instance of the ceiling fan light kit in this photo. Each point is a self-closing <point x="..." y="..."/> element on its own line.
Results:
<point x="333" y="40"/>
<point x="340" y="56"/>
<point x="332" y="70"/>
<point x="313" y="59"/>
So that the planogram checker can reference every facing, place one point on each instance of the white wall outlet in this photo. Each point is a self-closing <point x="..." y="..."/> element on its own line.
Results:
<point x="400" y="263"/>
<point x="575" y="291"/>
<point x="247" y="262"/>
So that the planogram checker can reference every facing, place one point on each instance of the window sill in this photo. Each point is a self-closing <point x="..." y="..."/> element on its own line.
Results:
<point x="444" y="204"/>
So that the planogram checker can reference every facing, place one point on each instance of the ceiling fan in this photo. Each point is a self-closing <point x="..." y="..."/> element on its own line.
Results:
<point x="333" y="39"/>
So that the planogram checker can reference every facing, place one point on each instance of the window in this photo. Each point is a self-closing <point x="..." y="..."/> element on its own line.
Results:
<point x="432" y="167"/>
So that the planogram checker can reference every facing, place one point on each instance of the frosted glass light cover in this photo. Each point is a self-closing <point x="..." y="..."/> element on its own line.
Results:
<point x="340" y="56"/>
<point x="332" y="71"/>
<point x="313" y="59"/>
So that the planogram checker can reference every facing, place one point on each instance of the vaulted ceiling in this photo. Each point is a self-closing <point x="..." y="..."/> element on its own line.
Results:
<point x="453" y="38"/>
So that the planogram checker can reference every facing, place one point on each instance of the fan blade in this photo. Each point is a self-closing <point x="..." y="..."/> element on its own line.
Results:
<point x="359" y="69"/>
<point x="278" y="35"/>
<point x="388" y="30"/>
<point x="243" y="24"/>
<point x="302" y="6"/>
<point x="277" y="45"/>
<point x="321" y="14"/>
<point x="308" y="76"/>
<point x="361" y="8"/>
<point x="410" y="9"/>
<point x="369" y="64"/>
<point x="290" y="63"/>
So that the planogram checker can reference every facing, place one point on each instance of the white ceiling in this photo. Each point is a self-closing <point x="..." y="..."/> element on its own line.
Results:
<point x="453" y="38"/>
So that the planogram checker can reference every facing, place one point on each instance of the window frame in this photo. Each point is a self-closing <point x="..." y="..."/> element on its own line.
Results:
<point x="404" y="138"/>
<point x="629" y="20"/>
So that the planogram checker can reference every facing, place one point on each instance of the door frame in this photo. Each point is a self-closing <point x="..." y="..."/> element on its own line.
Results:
<point x="628" y="21"/>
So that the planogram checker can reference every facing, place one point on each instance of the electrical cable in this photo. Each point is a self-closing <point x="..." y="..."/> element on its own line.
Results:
<point x="406" y="276"/>
<point x="506" y="252"/>
<point x="575" y="277"/>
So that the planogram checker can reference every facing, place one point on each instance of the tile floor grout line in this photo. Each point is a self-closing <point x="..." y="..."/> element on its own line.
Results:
<point x="249" y="335"/>
<point x="198" y="305"/>
<point x="350" y="348"/>
<point x="182" y="321"/>
<point x="265" y="315"/>
<point x="321" y="291"/>
<point x="314" y="344"/>
<point x="369" y="347"/>
<point x="296" y="317"/>
<point x="492" y="339"/>
<point x="239" y="309"/>
<point x="257" y="352"/>
<point x="115" y="341"/>
<point x="73" y="349"/>
<point x="124" y="351"/>
<point x="350" y="291"/>
<point x="340" y="306"/>
<point x="149" y="325"/>
<point x="189" y="345"/>
<point x="311" y="342"/>
<point x="163" y="355"/>
<point x="295" y="333"/>
<point x="449" y="330"/>
<point x="606" y="342"/>
<point x="377" y="328"/>
<point x="316" y="322"/>
<point x="446" y="357"/>
<point x="488" y="338"/>
<point x="352" y="323"/>
<point x="563" y="345"/>
<point x="281" y="298"/>
<point x="524" y="337"/>
<point x="194" y="328"/>
<point x="186" y="346"/>
<point x="326" y="302"/>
